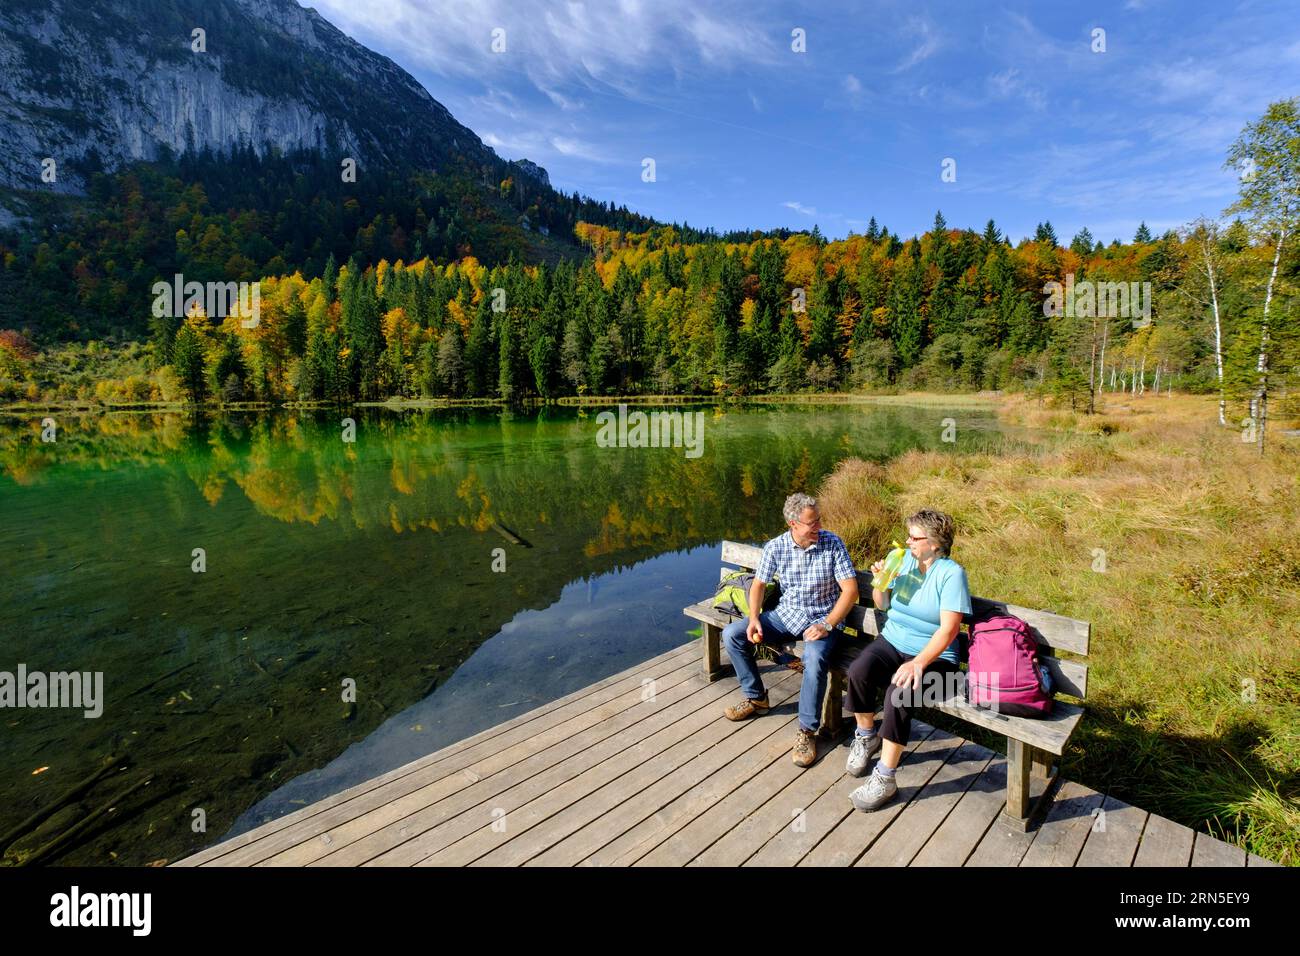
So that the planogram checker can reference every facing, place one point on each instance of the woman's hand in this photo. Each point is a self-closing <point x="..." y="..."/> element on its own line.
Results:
<point x="908" y="673"/>
<point x="878" y="567"/>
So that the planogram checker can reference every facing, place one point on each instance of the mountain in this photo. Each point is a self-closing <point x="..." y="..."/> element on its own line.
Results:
<point x="100" y="84"/>
<point x="210" y="138"/>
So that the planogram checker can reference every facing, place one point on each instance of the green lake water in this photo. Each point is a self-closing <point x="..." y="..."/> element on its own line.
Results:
<point x="370" y="561"/>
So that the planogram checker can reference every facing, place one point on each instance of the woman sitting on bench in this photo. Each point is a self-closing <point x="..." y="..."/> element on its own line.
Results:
<point x="925" y="604"/>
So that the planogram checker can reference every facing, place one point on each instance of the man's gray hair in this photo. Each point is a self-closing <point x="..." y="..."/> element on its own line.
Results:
<point x="796" y="504"/>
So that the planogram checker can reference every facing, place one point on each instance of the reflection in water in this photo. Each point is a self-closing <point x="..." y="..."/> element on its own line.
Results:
<point x="329" y="561"/>
<point x="607" y="624"/>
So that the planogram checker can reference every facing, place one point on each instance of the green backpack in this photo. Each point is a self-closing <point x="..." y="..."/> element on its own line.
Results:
<point x="733" y="593"/>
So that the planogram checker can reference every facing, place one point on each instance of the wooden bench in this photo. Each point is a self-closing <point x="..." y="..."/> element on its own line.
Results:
<point x="1031" y="743"/>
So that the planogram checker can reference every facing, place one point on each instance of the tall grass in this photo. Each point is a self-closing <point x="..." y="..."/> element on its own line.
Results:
<point x="1194" y="687"/>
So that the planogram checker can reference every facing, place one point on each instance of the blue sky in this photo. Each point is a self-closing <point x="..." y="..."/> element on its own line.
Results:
<point x="747" y="133"/>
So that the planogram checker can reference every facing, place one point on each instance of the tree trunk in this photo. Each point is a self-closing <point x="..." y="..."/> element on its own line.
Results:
<point x="1092" y="373"/>
<point x="1211" y="273"/>
<point x="1260" y="410"/>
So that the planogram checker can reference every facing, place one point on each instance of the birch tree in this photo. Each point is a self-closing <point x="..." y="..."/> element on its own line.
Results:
<point x="1267" y="155"/>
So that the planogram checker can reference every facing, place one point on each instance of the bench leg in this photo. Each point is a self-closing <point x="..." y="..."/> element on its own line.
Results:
<point x="833" y="704"/>
<point x="1042" y="764"/>
<point x="1030" y="779"/>
<point x="1018" y="761"/>
<point x="712" y="652"/>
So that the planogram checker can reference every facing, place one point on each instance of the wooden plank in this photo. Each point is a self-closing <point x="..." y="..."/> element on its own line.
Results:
<point x="682" y="845"/>
<point x="856" y="832"/>
<point x="462" y="752"/>
<point x="510" y="842"/>
<point x="1254" y="860"/>
<point x="1207" y="851"/>
<point x="1164" y="843"/>
<point x="905" y="837"/>
<point x="1059" y="839"/>
<point x="706" y="613"/>
<point x="1002" y="845"/>
<point x="865" y="619"/>
<point x="791" y="844"/>
<point x="394" y="805"/>
<point x="741" y="555"/>
<point x="1057" y="632"/>
<point x="651" y="782"/>
<point x="961" y="831"/>
<point x="786" y="812"/>
<point x="1049" y="733"/>
<point x="740" y="773"/>
<point x="1071" y="677"/>
<point x="630" y="799"/>
<point x="406" y="841"/>
<point x="1114" y="836"/>
<point x="534" y="766"/>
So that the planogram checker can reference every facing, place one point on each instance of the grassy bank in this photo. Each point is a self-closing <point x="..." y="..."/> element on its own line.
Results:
<point x="1194" y="692"/>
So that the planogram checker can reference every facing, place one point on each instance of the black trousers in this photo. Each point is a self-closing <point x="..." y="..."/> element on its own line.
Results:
<point x="871" y="672"/>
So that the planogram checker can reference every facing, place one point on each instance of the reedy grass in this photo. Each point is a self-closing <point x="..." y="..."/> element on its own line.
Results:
<point x="1194" y="682"/>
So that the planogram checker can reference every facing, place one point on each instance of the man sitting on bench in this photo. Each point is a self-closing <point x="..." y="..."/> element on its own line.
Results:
<point x="819" y="587"/>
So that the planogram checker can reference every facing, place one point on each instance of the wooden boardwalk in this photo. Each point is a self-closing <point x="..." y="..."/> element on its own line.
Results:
<point x="642" y="769"/>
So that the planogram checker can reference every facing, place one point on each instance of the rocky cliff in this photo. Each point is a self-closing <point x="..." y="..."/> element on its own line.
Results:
<point x="96" y="83"/>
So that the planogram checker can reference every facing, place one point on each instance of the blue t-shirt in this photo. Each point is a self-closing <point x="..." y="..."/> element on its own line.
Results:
<point x="915" y="600"/>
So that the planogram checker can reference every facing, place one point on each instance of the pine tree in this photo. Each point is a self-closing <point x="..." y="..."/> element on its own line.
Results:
<point x="1082" y="242"/>
<point x="905" y="306"/>
<point x="1143" y="234"/>
<point x="451" y="362"/>
<point x="190" y="363"/>
<point x="329" y="278"/>
<point x="481" y="353"/>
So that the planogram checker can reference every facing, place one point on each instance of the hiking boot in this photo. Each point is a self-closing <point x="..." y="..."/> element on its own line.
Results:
<point x="860" y="754"/>
<point x="746" y="708"/>
<point x="875" y="793"/>
<point x="805" y="748"/>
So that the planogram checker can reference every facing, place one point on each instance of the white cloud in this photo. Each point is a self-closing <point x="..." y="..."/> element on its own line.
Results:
<point x="561" y="45"/>
<point x="929" y="44"/>
<point x="1010" y="84"/>
<point x="801" y="208"/>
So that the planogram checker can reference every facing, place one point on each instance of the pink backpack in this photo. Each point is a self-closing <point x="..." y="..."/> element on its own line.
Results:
<point x="1003" y="670"/>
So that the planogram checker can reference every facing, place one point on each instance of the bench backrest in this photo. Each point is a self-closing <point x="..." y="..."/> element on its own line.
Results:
<point x="1054" y="632"/>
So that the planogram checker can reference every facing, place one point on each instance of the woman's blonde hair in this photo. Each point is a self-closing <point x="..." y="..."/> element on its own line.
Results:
<point x="938" y="528"/>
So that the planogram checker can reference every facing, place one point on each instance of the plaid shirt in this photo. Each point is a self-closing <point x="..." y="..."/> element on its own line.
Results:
<point x="809" y="577"/>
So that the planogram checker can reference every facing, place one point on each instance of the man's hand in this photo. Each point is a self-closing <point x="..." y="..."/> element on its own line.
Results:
<point x="815" y="632"/>
<point x="754" y="631"/>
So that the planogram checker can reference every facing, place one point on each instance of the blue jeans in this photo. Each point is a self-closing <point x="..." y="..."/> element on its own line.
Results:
<point x="816" y="655"/>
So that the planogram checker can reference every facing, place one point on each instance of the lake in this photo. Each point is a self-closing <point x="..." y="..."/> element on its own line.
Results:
<point x="234" y="578"/>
